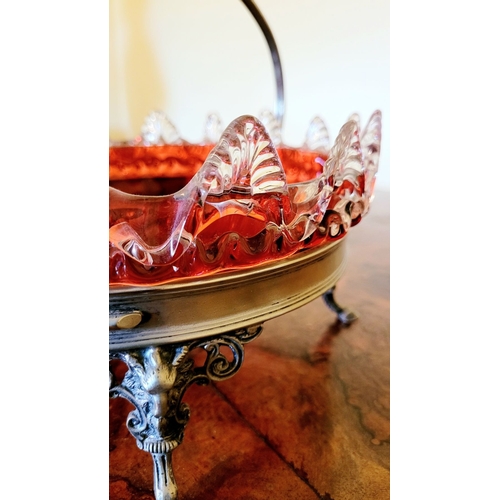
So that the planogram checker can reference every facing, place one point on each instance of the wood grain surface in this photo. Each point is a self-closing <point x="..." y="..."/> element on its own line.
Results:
<point x="306" y="417"/>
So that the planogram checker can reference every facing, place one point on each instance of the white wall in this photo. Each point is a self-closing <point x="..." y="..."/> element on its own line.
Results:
<point x="192" y="57"/>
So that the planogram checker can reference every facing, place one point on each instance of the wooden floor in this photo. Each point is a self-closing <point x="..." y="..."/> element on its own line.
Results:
<point x="307" y="415"/>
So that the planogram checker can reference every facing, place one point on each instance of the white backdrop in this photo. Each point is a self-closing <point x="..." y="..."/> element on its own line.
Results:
<point x="192" y="57"/>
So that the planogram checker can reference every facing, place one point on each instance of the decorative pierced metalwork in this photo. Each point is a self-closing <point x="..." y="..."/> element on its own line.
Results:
<point x="155" y="383"/>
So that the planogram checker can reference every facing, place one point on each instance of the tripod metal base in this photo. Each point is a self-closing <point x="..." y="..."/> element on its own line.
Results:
<point x="154" y="331"/>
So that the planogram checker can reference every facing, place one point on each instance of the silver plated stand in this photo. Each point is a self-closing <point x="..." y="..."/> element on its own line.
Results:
<point x="155" y="331"/>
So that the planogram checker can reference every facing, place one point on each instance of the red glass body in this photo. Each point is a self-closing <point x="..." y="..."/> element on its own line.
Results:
<point x="230" y="231"/>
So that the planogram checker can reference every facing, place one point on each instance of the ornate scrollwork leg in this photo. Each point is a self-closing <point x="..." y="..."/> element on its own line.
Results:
<point x="155" y="383"/>
<point x="345" y="316"/>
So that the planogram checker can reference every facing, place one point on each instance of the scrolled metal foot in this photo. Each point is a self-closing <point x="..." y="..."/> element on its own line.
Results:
<point x="345" y="316"/>
<point x="155" y="383"/>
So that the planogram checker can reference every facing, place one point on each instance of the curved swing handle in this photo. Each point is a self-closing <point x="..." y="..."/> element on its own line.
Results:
<point x="278" y="72"/>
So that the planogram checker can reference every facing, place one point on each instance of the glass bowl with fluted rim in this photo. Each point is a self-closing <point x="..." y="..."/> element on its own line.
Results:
<point x="238" y="200"/>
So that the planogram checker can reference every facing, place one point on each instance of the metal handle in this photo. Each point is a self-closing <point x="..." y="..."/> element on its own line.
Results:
<point x="278" y="72"/>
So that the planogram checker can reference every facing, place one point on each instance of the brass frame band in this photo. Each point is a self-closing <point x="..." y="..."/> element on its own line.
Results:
<point x="213" y="305"/>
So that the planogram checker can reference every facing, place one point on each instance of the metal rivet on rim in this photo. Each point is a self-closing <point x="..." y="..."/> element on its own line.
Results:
<point x="129" y="320"/>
